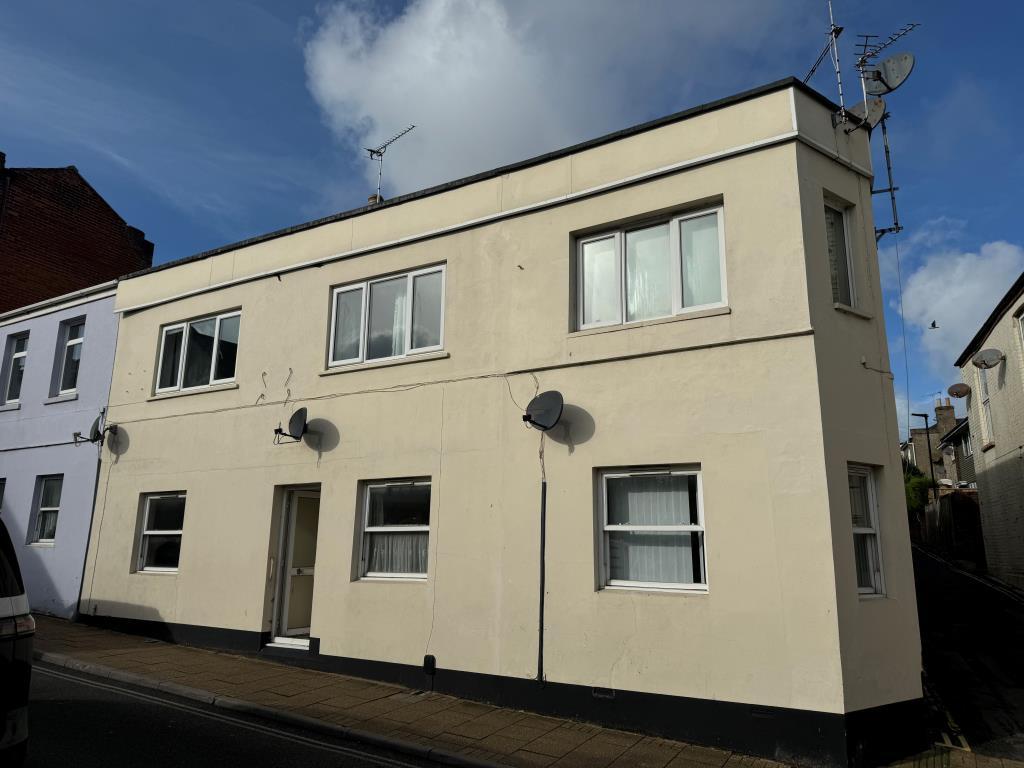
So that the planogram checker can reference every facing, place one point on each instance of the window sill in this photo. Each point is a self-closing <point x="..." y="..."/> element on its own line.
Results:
<point x="197" y="391"/>
<point x="691" y="315"/>
<point x="987" y="447"/>
<point x="67" y="397"/>
<point x="9" y="407"/>
<point x="155" y="572"/>
<point x="848" y="310"/>
<point x="43" y="544"/>
<point x="393" y="579"/>
<point x="656" y="590"/>
<point x="441" y="355"/>
<point x="872" y="596"/>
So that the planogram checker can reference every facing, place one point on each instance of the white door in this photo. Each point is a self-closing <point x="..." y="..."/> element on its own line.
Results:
<point x="300" y="531"/>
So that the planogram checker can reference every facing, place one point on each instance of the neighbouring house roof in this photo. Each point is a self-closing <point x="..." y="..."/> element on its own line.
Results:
<point x="753" y="93"/>
<point x="1015" y="292"/>
<point x="956" y="432"/>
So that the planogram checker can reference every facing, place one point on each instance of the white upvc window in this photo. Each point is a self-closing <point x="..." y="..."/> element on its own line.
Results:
<point x="651" y="271"/>
<point x="652" y="529"/>
<point x="864" y="516"/>
<point x="388" y="318"/>
<point x="163" y="519"/>
<point x="198" y="353"/>
<point x="14" y="367"/>
<point x="839" y="255"/>
<point x="988" y="434"/>
<point x="48" y="493"/>
<point x="72" y="335"/>
<point x="396" y="529"/>
<point x="966" y="447"/>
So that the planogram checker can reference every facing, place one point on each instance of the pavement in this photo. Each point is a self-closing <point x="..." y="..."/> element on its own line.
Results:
<point x="423" y="725"/>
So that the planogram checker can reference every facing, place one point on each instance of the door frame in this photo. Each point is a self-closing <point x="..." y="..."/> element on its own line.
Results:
<point x="286" y="535"/>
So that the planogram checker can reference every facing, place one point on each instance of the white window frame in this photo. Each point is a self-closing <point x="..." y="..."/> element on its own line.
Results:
<point x="988" y="435"/>
<point x="864" y="470"/>
<point x="368" y="530"/>
<point x="605" y="549"/>
<point x="9" y="366"/>
<point x="966" y="447"/>
<point x="364" y="286"/>
<point x="145" y="531"/>
<point x="37" y="537"/>
<point x="68" y="343"/>
<point x="185" y="327"/>
<point x="844" y="211"/>
<point x="619" y="237"/>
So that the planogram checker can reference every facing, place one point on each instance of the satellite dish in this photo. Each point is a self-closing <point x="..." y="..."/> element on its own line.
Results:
<point x="959" y="390"/>
<point x="890" y="75"/>
<point x="870" y="111"/>
<point x="95" y="434"/>
<point x="544" y="410"/>
<point x="988" y="358"/>
<point x="297" y="424"/>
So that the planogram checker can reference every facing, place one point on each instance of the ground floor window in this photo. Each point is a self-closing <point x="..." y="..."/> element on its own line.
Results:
<point x="396" y="529"/>
<point x="652" y="523"/>
<point x="864" y="511"/>
<point x="48" y="492"/>
<point x="163" y="518"/>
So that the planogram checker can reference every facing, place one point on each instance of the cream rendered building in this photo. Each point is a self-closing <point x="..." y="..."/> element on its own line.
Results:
<point x="727" y="555"/>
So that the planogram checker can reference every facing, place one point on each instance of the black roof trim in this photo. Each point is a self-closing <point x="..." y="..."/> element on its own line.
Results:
<point x="960" y="424"/>
<point x="986" y="328"/>
<point x="778" y="85"/>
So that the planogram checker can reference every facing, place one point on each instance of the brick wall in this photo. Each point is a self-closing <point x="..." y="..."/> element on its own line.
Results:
<point x="58" y="235"/>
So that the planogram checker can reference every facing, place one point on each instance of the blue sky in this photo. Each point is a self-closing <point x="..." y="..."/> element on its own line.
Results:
<point x="207" y="122"/>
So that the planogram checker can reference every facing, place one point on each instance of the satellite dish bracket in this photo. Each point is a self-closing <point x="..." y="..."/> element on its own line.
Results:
<point x="297" y="423"/>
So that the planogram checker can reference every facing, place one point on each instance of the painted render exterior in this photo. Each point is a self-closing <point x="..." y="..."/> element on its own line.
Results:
<point x="999" y="441"/>
<point x="770" y="395"/>
<point x="36" y="439"/>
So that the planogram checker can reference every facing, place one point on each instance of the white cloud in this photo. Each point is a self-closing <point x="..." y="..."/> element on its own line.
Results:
<point x="493" y="81"/>
<point x="957" y="290"/>
<point x="934" y="234"/>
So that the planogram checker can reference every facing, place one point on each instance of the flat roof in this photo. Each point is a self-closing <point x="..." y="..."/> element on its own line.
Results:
<point x="762" y="90"/>
<point x="986" y="328"/>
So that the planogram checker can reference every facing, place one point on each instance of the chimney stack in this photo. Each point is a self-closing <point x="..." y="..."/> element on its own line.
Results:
<point x="945" y="419"/>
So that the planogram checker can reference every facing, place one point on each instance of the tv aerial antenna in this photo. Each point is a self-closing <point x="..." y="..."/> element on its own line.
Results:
<point x="831" y="50"/>
<point x="876" y="79"/>
<point x="377" y="153"/>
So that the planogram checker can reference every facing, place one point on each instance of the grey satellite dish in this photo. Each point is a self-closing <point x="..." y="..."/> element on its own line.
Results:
<point x="988" y="358"/>
<point x="544" y="410"/>
<point x="95" y="434"/>
<point x="297" y="424"/>
<point x="870" y="111"/>
<point x="959" y="390"/>
<point x="890" y="74"/>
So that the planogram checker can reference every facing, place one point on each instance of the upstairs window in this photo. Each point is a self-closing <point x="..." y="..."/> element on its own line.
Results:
<point x="651" y="272"/>
<point x="15" y="356"/>
<point x="198" y="353"/>
<point x="840" y="271"/>
<point x="988" y="435"/>
<point x="966" y="449"/>
<point x="388" y="318"/>
<point x="72" y="335"/>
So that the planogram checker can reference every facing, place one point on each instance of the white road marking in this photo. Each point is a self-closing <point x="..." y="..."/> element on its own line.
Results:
<point x="307" y="741"/>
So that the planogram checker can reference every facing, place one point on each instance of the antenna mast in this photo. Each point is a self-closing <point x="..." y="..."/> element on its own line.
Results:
<point x="377" y="153"/>
<point x="831" y="50"/>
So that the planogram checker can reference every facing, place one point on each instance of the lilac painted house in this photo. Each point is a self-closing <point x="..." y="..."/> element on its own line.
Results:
<point x="57" y="358"/>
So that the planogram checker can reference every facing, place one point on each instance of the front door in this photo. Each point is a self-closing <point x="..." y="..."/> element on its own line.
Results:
<point x="296" y="603"/>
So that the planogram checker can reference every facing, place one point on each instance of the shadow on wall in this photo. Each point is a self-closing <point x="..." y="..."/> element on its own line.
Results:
<point x="118" y="442"/>
<point x="322" y="436"/>
<point x="575" y="427"/>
